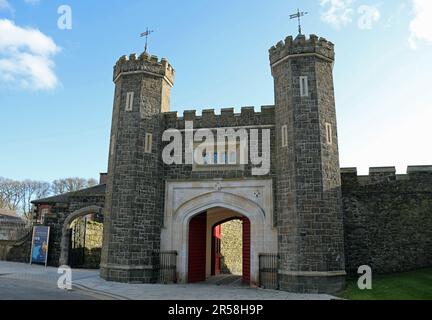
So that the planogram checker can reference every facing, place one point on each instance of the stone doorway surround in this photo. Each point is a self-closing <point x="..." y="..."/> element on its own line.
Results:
<point x="252" y="198"/>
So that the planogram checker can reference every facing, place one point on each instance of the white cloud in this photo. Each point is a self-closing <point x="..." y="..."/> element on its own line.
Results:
<point x="26" y="57"/>
<point x="396" y="15"/>
<point x="421" y="25"/>
<point x="368" y="16"/>
<point x="339" y="12"/>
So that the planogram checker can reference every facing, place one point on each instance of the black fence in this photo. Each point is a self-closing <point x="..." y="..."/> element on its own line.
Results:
<point x="165" y="266"/>
<point x="268" y="270"/>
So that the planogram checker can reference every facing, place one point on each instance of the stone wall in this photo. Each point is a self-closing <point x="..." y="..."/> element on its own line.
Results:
<point x="12" y="229"/>
<point x="57" y="217"/>
<point x="310" y="230"/>
<point x="16" y="250"/>
<point x="93" y="244"/>
<point x="231" y="247"/>
<point x="388" y="219"/>
<point x="134" y="201"/>
<point x="248" y="119"/>
<point x="15" y="240"/>
<point x="94" y="233"/>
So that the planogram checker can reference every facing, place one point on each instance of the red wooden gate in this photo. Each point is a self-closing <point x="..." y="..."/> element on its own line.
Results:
<point x="246" y="250"/>
<point x="197" y="248"/>
<point x="216" y="251"/>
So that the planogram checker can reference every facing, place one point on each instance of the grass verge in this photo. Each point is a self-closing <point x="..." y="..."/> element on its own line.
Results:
<point x="413" y="285"/>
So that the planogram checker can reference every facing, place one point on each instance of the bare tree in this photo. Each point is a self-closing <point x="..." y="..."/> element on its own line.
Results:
<point x="33" y="190"/>
<point x="65" y="185"/>
<point x="18" y="195"/>
<point x="58" y="186"/>
<point x="92" y="182"/>
<point x="11" y="193"/>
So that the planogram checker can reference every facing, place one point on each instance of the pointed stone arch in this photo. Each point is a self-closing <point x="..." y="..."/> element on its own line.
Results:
<point x="249" y="198"/>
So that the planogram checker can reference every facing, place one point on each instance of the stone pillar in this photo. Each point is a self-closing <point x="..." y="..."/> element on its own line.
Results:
<point x="134" y="198"/>
<point x="310" y="229"/>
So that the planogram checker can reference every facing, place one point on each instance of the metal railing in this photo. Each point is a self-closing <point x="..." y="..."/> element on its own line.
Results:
<point x="165" y="266"/>
<point x="268" y="270"/>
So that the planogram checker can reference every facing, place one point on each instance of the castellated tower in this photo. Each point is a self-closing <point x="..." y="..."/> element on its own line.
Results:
<point x="310" y="229"/>
<point x="134" y="203"/>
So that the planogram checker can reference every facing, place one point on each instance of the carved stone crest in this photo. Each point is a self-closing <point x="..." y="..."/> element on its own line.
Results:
<point x="218" y="186"/>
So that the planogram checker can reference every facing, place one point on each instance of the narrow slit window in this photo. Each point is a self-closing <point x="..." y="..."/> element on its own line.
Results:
<point x="112" y="145"/>
<point x="329" y="133"/>
<point x="148" y="143"/>
<point x="129" y="101"/>
<point x="284" y="136"/>
<point x="304" y="89"/>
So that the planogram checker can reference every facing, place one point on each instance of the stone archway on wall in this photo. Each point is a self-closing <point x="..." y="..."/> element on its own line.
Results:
<point x="64" y="246"/>
<point x="231" y="202"/>
<point x="249" y="198"/>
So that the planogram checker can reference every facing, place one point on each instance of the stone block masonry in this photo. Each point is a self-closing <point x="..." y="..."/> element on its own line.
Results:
<point x="388" y="219"/>
<point x="231" y="247"/>
<point x="58" y="215"/>
<point x="134" y="200"/>
<point x="308" y="179"/>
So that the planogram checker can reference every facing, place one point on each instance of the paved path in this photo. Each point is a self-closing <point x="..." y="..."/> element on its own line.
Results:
<point x="12" y="289"/>
<point x="89" y="280"/>
<point x="227" y="280"/>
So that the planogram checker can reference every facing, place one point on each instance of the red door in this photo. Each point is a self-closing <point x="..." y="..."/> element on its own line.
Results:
<point x="197" y="248"/>
<point x="216" y="250"/>
<point x="246" y="250"/>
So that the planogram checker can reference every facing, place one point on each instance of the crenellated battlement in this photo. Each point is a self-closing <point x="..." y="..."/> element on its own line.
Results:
<point x="227" y="118"/>
<point x="301" y="45"/>
<point x="144" y="63"/>
<point x="380" y="175"/>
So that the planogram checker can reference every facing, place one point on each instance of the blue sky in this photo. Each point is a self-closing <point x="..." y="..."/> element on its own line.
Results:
<point x="56" y="85"/>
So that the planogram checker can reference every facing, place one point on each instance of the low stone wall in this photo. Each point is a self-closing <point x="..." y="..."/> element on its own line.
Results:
<point x="15" y="240"/>
<point x="93" y="245"/>
<point x="12" y="229"/>
<point x="231" y="247"/>
<point x="387" y="219"/>
<point x="16" y="250"/>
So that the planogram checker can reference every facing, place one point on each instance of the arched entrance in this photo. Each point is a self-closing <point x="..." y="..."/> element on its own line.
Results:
<point x="73" y="225"/>
<point x="201" y="227"/>
<point x="231" y="248"/>
<point x="227" y="247"/>
<point x="219" y="200"/>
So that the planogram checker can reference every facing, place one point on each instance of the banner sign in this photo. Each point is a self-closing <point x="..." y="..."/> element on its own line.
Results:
<point x="39" y="248"/>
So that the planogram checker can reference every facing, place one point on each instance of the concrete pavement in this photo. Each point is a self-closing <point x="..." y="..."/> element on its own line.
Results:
<point x="88" y="281"/>
<point x="12" y="289"/>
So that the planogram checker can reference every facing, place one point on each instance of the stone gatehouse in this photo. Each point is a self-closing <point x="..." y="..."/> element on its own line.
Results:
<point x="320" y="221"/>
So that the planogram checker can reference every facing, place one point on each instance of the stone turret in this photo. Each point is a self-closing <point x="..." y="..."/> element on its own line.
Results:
<point x="144" y="62"/>
<point x="134" y="203"/>
<point x="308" y="176"/>
<point x="300" y="45"/>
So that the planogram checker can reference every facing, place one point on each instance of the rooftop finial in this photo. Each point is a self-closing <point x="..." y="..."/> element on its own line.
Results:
<point x="298" y="15"/>
<point x="146" y="34"/>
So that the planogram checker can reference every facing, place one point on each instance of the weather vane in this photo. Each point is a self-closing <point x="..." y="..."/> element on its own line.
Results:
<point x="298" y="15"/>
<point x="146" y="35"/>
